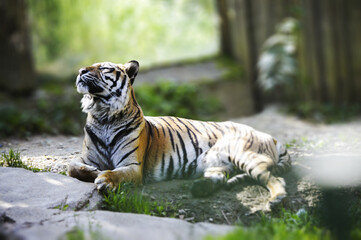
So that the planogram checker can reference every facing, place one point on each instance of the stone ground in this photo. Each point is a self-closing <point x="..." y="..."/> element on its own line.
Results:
<point x="325" y="154"/>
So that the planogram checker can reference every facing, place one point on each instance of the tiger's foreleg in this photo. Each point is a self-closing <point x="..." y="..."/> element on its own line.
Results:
<point x="110" y="179"/>
<point x="78" y="169"/>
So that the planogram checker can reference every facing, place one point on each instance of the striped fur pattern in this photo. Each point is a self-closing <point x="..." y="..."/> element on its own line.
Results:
<point x="121" y="144"/>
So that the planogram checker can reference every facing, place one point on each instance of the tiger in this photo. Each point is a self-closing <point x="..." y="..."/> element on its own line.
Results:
<point x="122" y="145"/>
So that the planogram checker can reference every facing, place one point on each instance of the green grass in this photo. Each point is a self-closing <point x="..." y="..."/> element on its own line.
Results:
<point x="287" y="226"/>
<point x="298" y="226"/>
<point x="75" y="234"/>
<point x="128" y="198"/>
<point x="12" y="159"/>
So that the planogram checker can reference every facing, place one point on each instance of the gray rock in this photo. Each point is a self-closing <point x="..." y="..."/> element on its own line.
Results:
<point x="109" y="225"/>
<point x="25" y="189"/>
<point x="30" y="202"/>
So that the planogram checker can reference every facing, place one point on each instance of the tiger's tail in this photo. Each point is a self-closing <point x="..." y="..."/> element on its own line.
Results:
<point x="284" y="160"/>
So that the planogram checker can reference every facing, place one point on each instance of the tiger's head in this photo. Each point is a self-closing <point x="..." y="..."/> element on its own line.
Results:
<point x="106" y="86"/>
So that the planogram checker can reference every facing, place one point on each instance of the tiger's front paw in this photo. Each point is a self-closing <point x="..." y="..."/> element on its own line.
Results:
<point x="106" y="180"/>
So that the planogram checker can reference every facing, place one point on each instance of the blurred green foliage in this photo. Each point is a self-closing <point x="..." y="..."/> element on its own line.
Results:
<point x="172" y="99"/>
<point x="325" y="113"/>
<point x="77" y="33"/>
<point x="56" y="107"/>
<point x="296" y="226"/>
<point x="287" y="226"/>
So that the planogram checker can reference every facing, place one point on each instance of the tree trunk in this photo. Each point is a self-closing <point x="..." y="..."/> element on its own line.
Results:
<point x="16" y="64"/>
<point x="225" y="32"/>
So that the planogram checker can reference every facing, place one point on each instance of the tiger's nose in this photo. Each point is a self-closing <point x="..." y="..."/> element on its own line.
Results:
<point x="83" y="71"/>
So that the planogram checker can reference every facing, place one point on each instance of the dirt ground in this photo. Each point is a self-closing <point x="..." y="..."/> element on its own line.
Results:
<point x="307" y="144"/>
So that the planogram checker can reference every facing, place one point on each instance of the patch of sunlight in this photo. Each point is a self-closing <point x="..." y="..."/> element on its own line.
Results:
<point x="54" y="182"/>
<point x="5" y="205"/>
<point x="9" y="205"/>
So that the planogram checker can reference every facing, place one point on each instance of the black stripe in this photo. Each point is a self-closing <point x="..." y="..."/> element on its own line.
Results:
<point x="93" y="163"/>
<point x="130" y="142"/>
<point x="123" y="81"/>
<point x="217" y="127"/>
<point x="156" y="128"/>
<point x="150" y="127"/>
<point x="267" y="149"/>
<point x="117" y="76"/>
<point x="170" y="168"/>
<point x="167" y="123"/>
<point x="173" y="120"/>
<point x="242" y="166"/>
<point x="283" y="154"/>
<point x="138" y="163"/>
<point x="190" y="123"/>
<point x="249" y="143"/>
<point x="110" y="70"/>
<point x="171" y="138"/>
<point x="133" y="97"/>
<point x="97" y="142"/>
<point x="260" y="148"/>
<point x="258" y="176"/>
<point x="123" y="132"/>
<point x="185" y="158"/>
<point x="163" y="163"/>
<point x="207" y="131"/>
<point x="193" y="138"/>
<point x="126" y="155"/>
<point x="191" y="168"/>
<point x="179" y="158"/>
<point x="163" y="130"/>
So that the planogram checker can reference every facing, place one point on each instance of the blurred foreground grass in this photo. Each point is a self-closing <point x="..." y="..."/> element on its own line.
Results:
<point x="288" y="225"/>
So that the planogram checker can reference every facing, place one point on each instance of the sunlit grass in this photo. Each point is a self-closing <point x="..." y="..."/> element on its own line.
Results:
<point x="129" y="198"/>
<point x="71" y="34"/>
<point x="13" y="159"/>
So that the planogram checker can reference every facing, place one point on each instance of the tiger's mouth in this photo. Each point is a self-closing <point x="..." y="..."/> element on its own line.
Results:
<point x="86" y="86"/>
<point x="81" y="86"/>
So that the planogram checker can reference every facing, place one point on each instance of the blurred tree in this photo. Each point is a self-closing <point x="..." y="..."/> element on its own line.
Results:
<point x="329" y="50"/>
<point x="16" y="65"/>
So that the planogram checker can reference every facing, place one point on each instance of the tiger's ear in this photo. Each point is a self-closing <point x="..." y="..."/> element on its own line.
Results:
<point x="131" y="69"/>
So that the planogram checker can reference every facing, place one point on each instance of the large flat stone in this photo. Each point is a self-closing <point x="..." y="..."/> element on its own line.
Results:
<point x="22" y="188"/>
<point x="28" y="210"/>
<point x="110" y="225"/>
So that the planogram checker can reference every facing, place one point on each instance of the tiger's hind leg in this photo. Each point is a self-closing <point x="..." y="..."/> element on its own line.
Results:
<point x="258" y="167"/>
